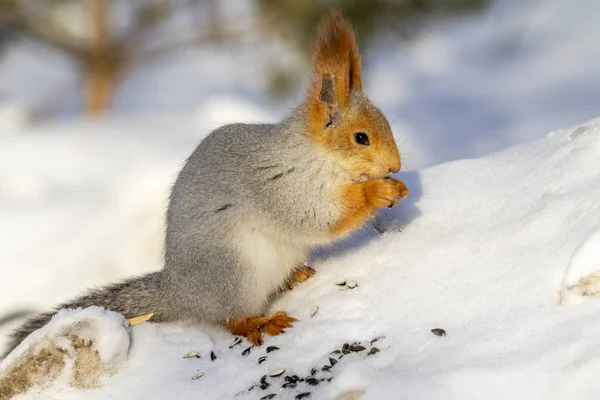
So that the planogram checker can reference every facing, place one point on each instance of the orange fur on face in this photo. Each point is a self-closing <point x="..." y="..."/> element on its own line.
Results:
<point x="337" y="108"/>
<point x="253" y="327"/>
<point x="361" y="201"/>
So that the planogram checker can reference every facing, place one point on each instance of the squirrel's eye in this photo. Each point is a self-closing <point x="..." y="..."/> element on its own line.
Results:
<point x="361" y="138"/>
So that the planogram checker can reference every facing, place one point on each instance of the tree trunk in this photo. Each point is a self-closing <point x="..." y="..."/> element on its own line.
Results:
<point x="101" y="68"/>
<point x="101" y="79"/>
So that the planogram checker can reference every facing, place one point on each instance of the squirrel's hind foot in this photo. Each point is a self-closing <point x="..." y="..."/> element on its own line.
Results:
<point x="253" y="327"/>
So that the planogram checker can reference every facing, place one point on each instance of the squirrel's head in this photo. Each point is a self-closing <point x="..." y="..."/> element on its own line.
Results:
<point x="342" y="120"/>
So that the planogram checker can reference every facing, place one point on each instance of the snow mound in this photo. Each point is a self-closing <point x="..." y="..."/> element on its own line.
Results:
<point x="77" y="348"/>
<point x="582" y="279"/>
<point x="480" y="249"/>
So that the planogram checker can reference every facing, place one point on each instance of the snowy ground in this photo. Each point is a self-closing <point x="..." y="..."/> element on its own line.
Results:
<point x="480" y="249"/>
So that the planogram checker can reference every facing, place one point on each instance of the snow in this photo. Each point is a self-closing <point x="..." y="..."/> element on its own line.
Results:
<point x="481" y="248"/>
<point x="501" y="251"/>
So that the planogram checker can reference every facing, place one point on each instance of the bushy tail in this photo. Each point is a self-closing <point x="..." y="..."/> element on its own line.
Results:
<point x="132" y="298"/>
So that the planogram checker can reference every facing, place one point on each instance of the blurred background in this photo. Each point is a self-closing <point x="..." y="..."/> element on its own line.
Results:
<point x="102" y="100"/>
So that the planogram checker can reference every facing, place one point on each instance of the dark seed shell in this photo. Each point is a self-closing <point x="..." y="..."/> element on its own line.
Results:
<point x="332" y="361"/>
<point x="326" y="368"/>
<point x="313" y="371"/>
<point x="302" y="395"/>
<point x="237" y="341"/>
<point x="262" y="359"/>
<point x="265" y="386"/>
<point x="289" y="385"/>
<point x="329" y="379"/>
<point x="268" y="397"/>
<point x="374" y="350"/>
<point x="277" y="373"/>
<point x="247" y="351"/>
<point x="213" y="356"/>
<point x="251" y="388"/>
<point x="336" y="352"/>
<point x="312" y="381"/>
<point x="376" y="339"/>
<point x="357" y="347"/>
<point x="346" y="348"/>
<point x="263" y="379"/>
<point x="272" y="348"/>
<point x="438" y="332"/>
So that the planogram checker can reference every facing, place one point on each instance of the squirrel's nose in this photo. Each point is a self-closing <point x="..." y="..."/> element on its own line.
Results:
<point x="395" y="169"/>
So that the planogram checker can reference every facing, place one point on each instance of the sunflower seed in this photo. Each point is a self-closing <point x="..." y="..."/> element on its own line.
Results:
<point x="213" y="356"/>
<point x="313" y="310"/>
<point x="312" y="381"/>
<point x="247" y="351"/>
<point x="191" y="354"/>
<point x="272" y="348"/>
<point x="263" y="379"/>
<point x="265" y="386"/>
<point x="268" y="397"/>
<point x="313" y="371"/>
<point x="332" y="361"/>
<point x="198" y="375"/>
<point x="335" y="352"/>
<point x="326" y="368"/>
<point x="302" y="395"/>
<point x="237" y="341"/>
<point x="357" y="347"/>
<point x="438" y="332"/>
<point x="374" y="350"/>
<point x="262" y="359"/>
<point x="340" y="283"/>
<point x="346" y="348"/>
<point x="289" y="385"/>
<point x="352" y="284"/>
<point x="277" y="373"/>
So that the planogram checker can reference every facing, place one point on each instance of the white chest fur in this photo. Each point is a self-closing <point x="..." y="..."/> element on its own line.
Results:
<point x="269" y="256"/>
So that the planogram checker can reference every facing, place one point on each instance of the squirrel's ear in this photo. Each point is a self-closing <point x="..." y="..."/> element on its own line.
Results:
<point x="336" y="64"/>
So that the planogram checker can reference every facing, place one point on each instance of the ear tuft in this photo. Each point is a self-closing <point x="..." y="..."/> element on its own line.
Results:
<point x="336" y="60"/>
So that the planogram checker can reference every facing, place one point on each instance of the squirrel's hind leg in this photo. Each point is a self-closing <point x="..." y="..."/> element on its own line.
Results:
<point x="254" y="327"/>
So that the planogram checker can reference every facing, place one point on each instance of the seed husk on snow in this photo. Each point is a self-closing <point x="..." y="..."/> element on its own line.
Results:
<point x="376" y="339"/>
<point x="191" y="354"/>
<point x="374" y="350"/>
<point x="340" y="283"/>
<point x="312" y="381"/>
<point x="313" y="311"/>
<point x="272" y="348"/>
<point x="263" y="379"/>
<point x="313" y="371"/>
<point x="268" y="397"/>
<point x="302" y="395"/>
<point x="247" y="351"/>
<point x="213" y="356"/>
<point x="332" y="361"/>
<point x="438" y="332"/>
<point x="265" y="386"/>
<point x="326" y="368"/>
<point x="237" y="341"/>
<point x="352" y="284"/>
<point x="198" y="375"/>
<point x="357" y="347"/>
<point x="262" y="359"/>
<point x="346" y="348"/>
<point x="335" y="352"/>
<point x="277" y="373"/>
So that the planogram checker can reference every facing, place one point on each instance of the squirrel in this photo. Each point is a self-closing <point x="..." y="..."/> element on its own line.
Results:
<point x="252" y="200"/>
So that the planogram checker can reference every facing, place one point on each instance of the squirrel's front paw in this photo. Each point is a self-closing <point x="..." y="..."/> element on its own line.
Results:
<point x="385" y="192"/>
